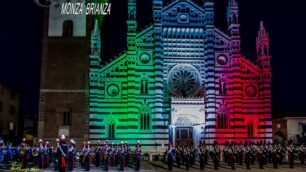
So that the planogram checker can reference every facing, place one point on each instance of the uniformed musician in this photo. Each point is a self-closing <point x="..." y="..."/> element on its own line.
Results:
<point x="137" y="156"/>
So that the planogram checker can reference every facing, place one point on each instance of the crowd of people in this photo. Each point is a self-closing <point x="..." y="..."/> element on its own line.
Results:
<point x="232" y="154"/>
<point x="64" y="155"/>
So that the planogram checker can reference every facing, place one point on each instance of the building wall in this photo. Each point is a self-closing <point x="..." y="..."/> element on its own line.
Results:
<point x="64" y="76"/>
<point x="295" y="126"/>
<point x="9" y="110"/>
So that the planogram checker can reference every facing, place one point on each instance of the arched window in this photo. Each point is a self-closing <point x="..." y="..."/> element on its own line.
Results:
<point x="222" y="119"/>
<point x="68" y="29"/>
<point x="144" y="86"/>
<point x="111" y="130"/>
<point x="145" y="121"/>
<point x="145" y="118"/>
<point x="250" y="129"/>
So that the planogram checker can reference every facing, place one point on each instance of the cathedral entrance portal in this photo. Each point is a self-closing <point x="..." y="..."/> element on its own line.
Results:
<point x="187" y="120"/>
<point x="183" y="135"/>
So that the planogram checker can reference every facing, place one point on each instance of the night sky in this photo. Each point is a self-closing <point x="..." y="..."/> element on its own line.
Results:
<point x="21" y="44"/>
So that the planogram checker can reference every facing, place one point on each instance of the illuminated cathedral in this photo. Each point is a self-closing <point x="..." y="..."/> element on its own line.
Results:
<point x="181" y="80"/>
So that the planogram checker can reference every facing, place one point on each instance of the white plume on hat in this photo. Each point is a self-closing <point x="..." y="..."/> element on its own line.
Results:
<point x="40" y="140"/>
<point x="63" y="137"/>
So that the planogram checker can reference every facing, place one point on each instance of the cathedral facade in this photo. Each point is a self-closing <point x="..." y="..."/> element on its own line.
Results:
<point x="181" y="80"/>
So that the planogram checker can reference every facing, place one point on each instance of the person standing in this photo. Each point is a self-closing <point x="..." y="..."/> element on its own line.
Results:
<point x="71" y="155"/>
<point x="137" y="156"/>
<point x="302" y="152"/>
<point x="121" y="156"/>
<point x="216" y="155"/>
<point x="107" y="151"/>
<point x="202" y="157"/>
<point x="54" y="155"/>
<point x="97" y="154"/>
<point x="86" y="156"/>
<point x="62" y="154"/>
<point x="127" y="151"/>
<point x="41" y="158"/>
<point x="178" y="156"/>
<point x="170" y="156"/>
<point x="275" y="155"/>
<point x="248" y="155"/>
<point x="291" y="156"/>
<point x="47" y="155"/>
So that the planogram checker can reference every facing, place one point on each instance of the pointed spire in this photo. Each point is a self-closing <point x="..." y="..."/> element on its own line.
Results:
<point x="262" y="41"/>
<point x="262" y="33"/>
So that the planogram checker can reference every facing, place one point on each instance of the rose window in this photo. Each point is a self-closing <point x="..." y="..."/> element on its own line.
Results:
<point x="184" y="80"/>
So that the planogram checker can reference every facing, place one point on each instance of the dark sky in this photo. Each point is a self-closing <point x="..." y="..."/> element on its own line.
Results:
<point x="21" y="43"/>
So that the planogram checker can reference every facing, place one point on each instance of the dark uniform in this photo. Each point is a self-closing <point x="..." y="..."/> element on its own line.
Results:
<point x="86" y="156"/>
<point x="231" y="152"/>
<point x="106" y="153"/>
<point x="71" y="155"/>
<point x="121" y="156"/>
<point x="98" y="154"/>
<point x="186" y="157"/>
<point x="47" y="154"/>
<point x="275" y="156"/>
<point x="291" y="155"/>
<point x="248" y="156"/>
<point x="216" y="156"/>
<point x="62" y="152"/>
<point x="55" y="159"/>
<point x="127" y="157"/>
<point x="302" y="152"/>
<point x="202" y="157"/>
<point x="178" y="156"/>
<point x="24" y="154"/>
<point x="137" y="157"/>
<point x="41" y="158"/>
<point x="170" y="156"/>
<point x="261" y="156"/>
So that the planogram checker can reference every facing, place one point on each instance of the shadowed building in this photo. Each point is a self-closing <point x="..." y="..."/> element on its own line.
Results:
<point x="9" y="112"/>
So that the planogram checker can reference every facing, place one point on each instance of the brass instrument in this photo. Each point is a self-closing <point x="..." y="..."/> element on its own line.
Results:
<point x="35" y="151"/>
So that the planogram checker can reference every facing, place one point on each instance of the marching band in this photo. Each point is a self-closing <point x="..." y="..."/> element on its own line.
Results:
<point x="64" y="156"/>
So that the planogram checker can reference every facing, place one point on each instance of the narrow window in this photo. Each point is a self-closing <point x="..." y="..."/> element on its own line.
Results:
<point x="68" y="29"/>
<point x="111" y="130"/>
<point x="66" y="118"/>
<point x="250" y="129"/>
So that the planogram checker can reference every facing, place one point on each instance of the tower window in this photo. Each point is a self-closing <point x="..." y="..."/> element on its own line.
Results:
<point x="68" y="29"/>
<point x="144" y="86"/>
<point x="111" y="130"/>
<point x="66" y="118"/>
<point x="145" y="121"/>
<point x="250" y="129"/>
<point x="222" y="121"/>
<point x="12" y="110"/>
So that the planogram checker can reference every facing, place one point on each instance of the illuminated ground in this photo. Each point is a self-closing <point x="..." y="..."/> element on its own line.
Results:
<point x="160" y="166"/>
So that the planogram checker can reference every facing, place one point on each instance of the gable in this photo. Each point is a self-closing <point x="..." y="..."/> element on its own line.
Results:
<point x="183" y="12"/>
<point x="222" y="40"/>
